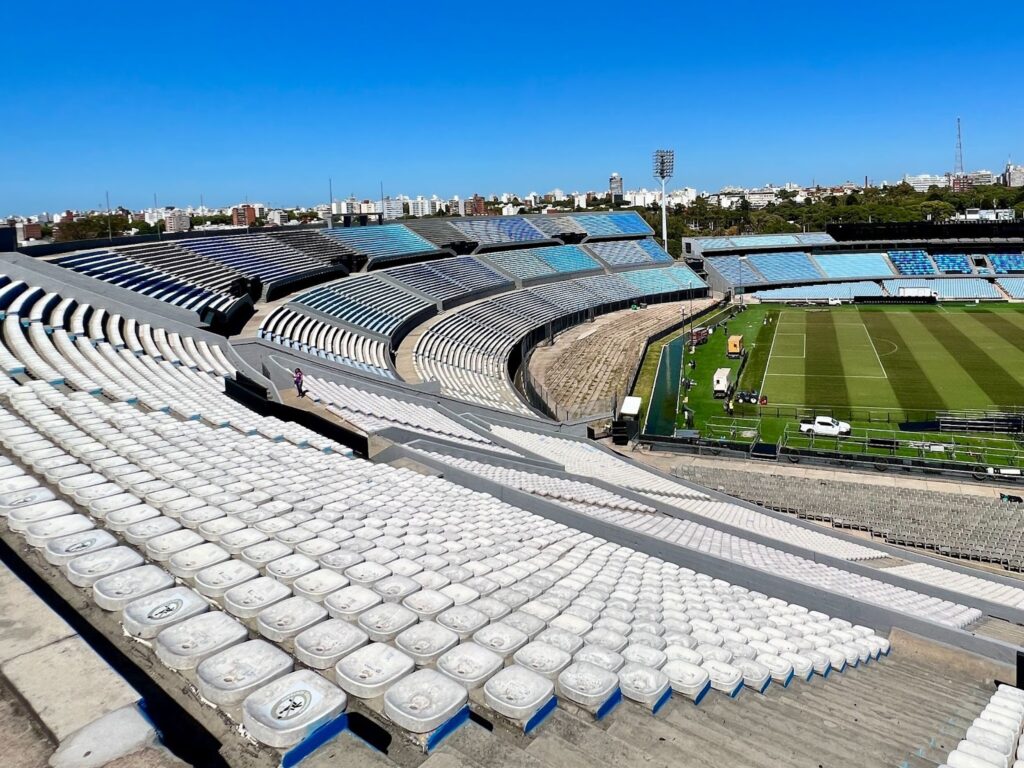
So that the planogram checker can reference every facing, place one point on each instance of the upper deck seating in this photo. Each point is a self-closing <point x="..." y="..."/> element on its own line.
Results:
<point x="853" y="265"/>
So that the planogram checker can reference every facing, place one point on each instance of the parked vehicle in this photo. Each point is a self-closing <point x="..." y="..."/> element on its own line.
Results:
<point x="824" y="425"/>
<point x="723" y="382"/>
<point x="735" y="348"/>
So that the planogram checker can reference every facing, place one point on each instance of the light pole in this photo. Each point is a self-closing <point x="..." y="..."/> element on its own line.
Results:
<point x="664" y="162"/>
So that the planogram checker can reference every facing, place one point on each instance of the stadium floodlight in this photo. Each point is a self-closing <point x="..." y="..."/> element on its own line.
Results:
<point x="664" y="162"/>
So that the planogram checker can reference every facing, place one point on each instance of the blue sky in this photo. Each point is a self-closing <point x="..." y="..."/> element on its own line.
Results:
<point x="268" y="99"/>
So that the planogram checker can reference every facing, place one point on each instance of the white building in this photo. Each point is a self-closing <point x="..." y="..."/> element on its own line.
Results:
<point x="457" y="206"/>
<point x="579" y="200"/>
<point x="642" y="197"/>
<point x="420" y="206"/>
<point x="511" y="209"/>
<point x="278" y="218"/>
<point x="981" y="214"/>
<point x="924" y="181"/>
<point x="393" y="208"/>
<point x="1013" y="176"/>
<point x="685" y="196"/>
<point x="177" y="220"/>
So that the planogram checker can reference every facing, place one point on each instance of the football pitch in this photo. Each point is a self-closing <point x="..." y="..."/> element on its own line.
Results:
<point x="906" y="358"/>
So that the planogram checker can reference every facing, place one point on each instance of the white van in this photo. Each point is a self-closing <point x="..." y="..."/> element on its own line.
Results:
<point x="723" y="382"/>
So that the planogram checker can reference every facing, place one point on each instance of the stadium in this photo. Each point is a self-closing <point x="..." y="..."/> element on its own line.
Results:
<point x="459" y="543"/>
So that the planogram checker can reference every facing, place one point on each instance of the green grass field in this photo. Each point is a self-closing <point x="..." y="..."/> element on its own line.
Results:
<point x="874" y="366"/>
<point x="910" y="358"/>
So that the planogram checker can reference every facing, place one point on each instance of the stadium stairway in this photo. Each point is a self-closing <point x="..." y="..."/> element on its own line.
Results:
<point x="848" y="722"/>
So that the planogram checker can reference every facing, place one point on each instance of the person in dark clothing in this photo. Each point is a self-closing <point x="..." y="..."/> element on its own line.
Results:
<point x="299" y="389"/>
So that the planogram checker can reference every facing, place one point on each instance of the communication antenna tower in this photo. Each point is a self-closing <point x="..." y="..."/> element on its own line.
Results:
<point x="958" y="167"/>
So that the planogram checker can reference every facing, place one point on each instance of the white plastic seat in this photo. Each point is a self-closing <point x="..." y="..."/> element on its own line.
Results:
<point x="113" y="592"/>
<point x="186" y="644"/>
<point x="323" y="645"/>
<point x="423" y="701"/>
<point x="147" y="616"/>
<point x="281" y="713"/>
<point x="368" y="671"/>
<point x="229" y="676"/>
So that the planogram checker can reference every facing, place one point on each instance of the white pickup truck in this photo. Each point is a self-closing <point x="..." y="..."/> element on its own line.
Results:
<point x="824" y="425"/>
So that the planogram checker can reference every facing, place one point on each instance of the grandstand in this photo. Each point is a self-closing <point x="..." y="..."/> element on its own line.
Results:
<point x="467" y="351"/>
<point x="484" y="586"/>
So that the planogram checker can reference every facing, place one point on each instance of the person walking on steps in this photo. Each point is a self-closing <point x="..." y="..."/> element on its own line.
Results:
<point x="299" y="389"/>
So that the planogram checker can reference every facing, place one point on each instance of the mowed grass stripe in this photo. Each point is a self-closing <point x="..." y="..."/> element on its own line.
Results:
<point x="825" y="382"/>
<point x="910" y="384"/>
<point x="1002" y="326"/>
<point x="994" y="380"/>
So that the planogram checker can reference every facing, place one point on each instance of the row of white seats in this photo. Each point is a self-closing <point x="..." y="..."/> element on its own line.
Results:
<point x="372" y="412"/>
<point x="574" y="455"/>
<point x="168" y="477"/>
<point x="993" y="739"/>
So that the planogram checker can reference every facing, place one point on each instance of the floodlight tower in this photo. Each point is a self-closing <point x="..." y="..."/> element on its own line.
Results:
<point x="664" y="167"/>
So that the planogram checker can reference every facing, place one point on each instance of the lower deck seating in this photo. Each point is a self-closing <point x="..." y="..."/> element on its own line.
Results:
<point x="821" y="292"/>
<point x="952" y="524"/>
<point x="298" y="330"/>
<point x="467" y="350"/>
<point x="1014" y="286"/>
<point x="965" y="288"/>
<point x="372" y="412"/>
<point x="583" y="459"/>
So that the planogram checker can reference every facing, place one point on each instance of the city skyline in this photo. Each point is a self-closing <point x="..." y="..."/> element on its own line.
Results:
<point x="269" y="114"/>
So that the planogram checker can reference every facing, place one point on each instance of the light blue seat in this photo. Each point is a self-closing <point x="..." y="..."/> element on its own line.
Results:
<point x="623" y="253"/>
<point x="387" y="241"/>
<point x="495" y="231"/>
<point x="785" y="267"/>
<point x="853" y="265"/>
<point x="734" y="269"/>
<point x="1014" y="286"/>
